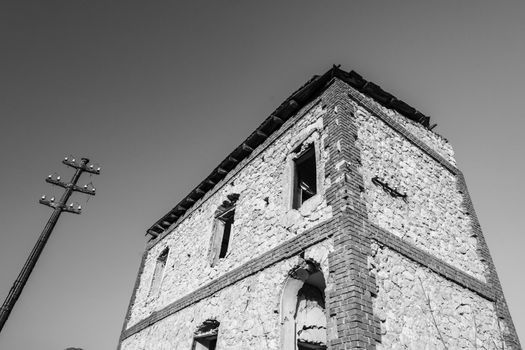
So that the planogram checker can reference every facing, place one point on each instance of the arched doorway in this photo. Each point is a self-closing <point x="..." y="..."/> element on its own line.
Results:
<point x="303" y="317"/>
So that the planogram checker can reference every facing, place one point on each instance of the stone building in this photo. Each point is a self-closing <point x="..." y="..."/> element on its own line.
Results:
<point x="342" y="222"/>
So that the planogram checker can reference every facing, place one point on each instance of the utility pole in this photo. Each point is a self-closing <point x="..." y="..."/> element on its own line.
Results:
<point x="58" y="208"/>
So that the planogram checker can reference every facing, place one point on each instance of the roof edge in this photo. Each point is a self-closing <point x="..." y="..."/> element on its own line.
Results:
<point x="306" y="93"/>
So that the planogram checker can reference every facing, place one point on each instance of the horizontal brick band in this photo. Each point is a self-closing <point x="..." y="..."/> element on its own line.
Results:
<point x="372" y="107"/>
<point x="286" y="250"/>
<point x="437" y="265"/>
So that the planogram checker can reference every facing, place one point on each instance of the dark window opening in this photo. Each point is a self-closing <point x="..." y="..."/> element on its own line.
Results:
<point x="306" y="346"/>
<point x="205" y="343"/>
<point x="205" y="338"/>
<point x="227" y="221"/>
<point x="222" y="229"/>
<point x="164" y="256"/>
<point x="305" y="177"/>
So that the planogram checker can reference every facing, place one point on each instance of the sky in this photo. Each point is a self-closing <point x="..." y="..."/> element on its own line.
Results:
<point x="158" y="93"/>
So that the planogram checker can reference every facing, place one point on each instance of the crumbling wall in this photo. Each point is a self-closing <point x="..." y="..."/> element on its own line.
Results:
<point x="434" y="141"/>
<point x="248" y="311"/>
<point x="263" y="217"/>
<point x="419" y="309"/>
<point x="432" y="216"/>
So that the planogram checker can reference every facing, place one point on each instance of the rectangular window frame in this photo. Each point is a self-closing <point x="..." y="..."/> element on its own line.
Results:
<point x="222" y="231"/>
<point x="225" y="221"/>
<point x="206" y="336"/>
<point x="300" y="188"/>
<point x="158" y="273"/>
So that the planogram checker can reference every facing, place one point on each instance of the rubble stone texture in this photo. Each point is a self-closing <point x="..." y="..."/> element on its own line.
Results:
<point x="318" y="274"/>
<point x="248" y="312"/>
<point x="433" y="217"/>
<point x="263" y="219"/>
<point x="410" y="298"/>
<point x="434" y="141"/>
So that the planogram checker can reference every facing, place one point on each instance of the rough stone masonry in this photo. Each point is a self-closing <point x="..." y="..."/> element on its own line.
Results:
<point x="342" y="222"/>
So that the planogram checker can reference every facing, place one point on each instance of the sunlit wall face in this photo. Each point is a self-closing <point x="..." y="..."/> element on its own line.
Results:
<point x="159" y="93"/>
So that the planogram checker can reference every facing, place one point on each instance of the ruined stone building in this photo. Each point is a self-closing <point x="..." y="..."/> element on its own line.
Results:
<point x="341" y="222"/>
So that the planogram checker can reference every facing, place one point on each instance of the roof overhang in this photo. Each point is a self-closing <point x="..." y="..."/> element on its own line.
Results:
<point x="313" y="88"/>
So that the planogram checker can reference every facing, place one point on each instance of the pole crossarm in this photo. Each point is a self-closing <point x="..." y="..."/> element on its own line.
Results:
<point x="71" y="209"/>
<point x="68" y="208"/>
<point x="91" y="191"/>
<point x="58" y="207"/>
<point x="85" y="189"/>
<point x="49" y="203"/>
<point x="56" y="182"/>
<point x="83" y="166"/>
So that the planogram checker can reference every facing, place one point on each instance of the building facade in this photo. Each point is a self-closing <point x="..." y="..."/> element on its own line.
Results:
<point x="342" y="222"/>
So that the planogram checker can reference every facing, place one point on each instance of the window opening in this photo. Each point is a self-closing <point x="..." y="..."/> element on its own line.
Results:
<point x="227" y="221"/>
<point x="310" y="347"/>
<point x="303" y="312"/>
<point x="222" y="229"/>
<point x="205" y="338"/>
<point x="310" y="317"/>
<point x="205" y="343"/>
<point x="305" y="177"/>
<point x="158" y="273"/>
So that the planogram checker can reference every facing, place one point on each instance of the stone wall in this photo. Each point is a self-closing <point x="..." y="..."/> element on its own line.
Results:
<point x="263" y="217"/>
<point x="420" y="310"/>
<point x="248" y="311"/>
<point x="434" y="141"/>
<point x="408" y="296"/>
<point x="433" y="216"/>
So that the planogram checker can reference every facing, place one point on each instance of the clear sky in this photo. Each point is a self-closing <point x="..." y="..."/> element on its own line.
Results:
<point x="159" y="92"/>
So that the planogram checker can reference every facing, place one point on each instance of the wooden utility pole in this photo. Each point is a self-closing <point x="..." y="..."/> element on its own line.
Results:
<point x="58" y="207"/>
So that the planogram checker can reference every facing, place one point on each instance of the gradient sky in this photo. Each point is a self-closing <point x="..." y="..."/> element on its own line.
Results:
<point x="159" y="92"/>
